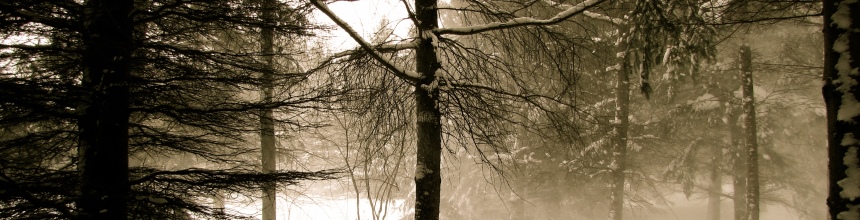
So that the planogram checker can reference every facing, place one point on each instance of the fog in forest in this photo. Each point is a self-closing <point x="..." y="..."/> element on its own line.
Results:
<point x="425" y="109"/>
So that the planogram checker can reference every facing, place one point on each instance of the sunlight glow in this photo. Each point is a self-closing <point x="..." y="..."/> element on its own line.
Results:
<point x="367" y="17"/>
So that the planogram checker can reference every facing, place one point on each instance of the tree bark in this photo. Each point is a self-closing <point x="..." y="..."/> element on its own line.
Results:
<point x="750" y="135"/>
<point x="739" y="179"/>
<point x="619" y="160"/>
<point x="428" y="117"/>
<point x="840" y="91"/>
<point x="267" y="125"/>
<point x="103" y="122"/>
<point x="715" y="190"/>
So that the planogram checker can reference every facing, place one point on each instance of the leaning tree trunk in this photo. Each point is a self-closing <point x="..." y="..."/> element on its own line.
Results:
<point x="429" y="131"/>
<point x="750" y="135"/>
<point x="103" y="122"/>
<point x="267" y="125"/>
<point x="841" y="62"/>
<point x="619" y="160"/>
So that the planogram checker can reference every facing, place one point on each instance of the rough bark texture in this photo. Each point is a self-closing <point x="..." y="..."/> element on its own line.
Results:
<point x="739" y="176"/>
<point x="750" y="135"/>
<point x="103" y="122"/>
<point x="429" y="131"/>
<point x="622" y="111"/>
<point x="267" y="125"/>
<point x="841" y="60"/>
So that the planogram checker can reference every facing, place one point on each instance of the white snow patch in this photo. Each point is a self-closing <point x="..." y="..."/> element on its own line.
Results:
<point x="613" y="166"/>
<point x="520" y="21"/>
<point x="704" y="102"/>
<point x="853" y="213"/>
<point x="564" y="6"/>
<point x="851" y="184"/>
<point x="841" y="44"/>
<point x="848" y="140"/>
<point x="432" y="86"/>
<point x="842" y="16"/>
<point x="667" y="54"/>
<point x="843" y="65"/>
<point x="421" y="171"/>
<point x="613" y="67"/>
<point x="759" y="92"/>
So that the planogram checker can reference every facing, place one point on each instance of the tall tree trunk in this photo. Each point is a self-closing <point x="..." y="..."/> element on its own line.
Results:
<point x="750" y="135"/>
<point x="715" y="190"/>
<point x="739" y="176"/>
<point x="428" y="178"/>
<point x="103" y="123"/>
<point x="267" y="125"/>
<point x="841" y="62"/>
<point x="619" y="160"/>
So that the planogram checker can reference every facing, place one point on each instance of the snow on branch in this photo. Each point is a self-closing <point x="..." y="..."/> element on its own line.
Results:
<point x="384" y="48"/>
<point x="598" y="16"/>
<point x="402" y="73"/>
<point x="394" y="47"/>
<point x="521" y="21"/>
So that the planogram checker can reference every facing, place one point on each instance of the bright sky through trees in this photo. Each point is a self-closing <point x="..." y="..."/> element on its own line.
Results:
<point x="365" y="16"/>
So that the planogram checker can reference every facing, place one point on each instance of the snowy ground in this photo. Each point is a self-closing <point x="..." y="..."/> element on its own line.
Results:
<point x="345" y="209"/>
<point x="308" y="208"/>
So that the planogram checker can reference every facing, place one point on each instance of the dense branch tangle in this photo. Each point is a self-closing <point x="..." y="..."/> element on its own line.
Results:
<point x="191" y="66"/>
<point x="471" y="84"/>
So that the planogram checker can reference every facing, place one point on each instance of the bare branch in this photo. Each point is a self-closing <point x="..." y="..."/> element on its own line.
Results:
<point x="402" y="73"/>
<point x="598" y="16"/>
<point x="521" y="21"/>
<point x="384" y="48"/>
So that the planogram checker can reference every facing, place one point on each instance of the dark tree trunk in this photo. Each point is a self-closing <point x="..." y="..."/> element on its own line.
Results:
<point x="619" y="160"/>
<point x="103" y="123"/>
<point x="841" y="60"/>
<point x="739" y="176"/>
<point x="429" y="131"/>
<point x="750" y="135"/>
<point x="267" y="125"/>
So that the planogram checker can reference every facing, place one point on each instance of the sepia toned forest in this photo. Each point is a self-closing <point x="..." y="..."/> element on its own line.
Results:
<point x="429" y="109"/>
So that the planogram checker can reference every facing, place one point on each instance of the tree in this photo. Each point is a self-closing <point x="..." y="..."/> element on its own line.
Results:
<point x="739" y="165"/>
<point x="840" y="92"/>
<point x="646" y="35"/>
<point x="181" y="96"/>
<point x="622" y="123"/>
<point x="427" y="81"/>
<point x="750" y="134"/>
<point x="267" y="125"/>
<point x="103" y="124"/>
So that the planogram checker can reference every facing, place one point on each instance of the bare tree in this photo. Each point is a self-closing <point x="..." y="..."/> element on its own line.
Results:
<point x="431" y="76"/>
